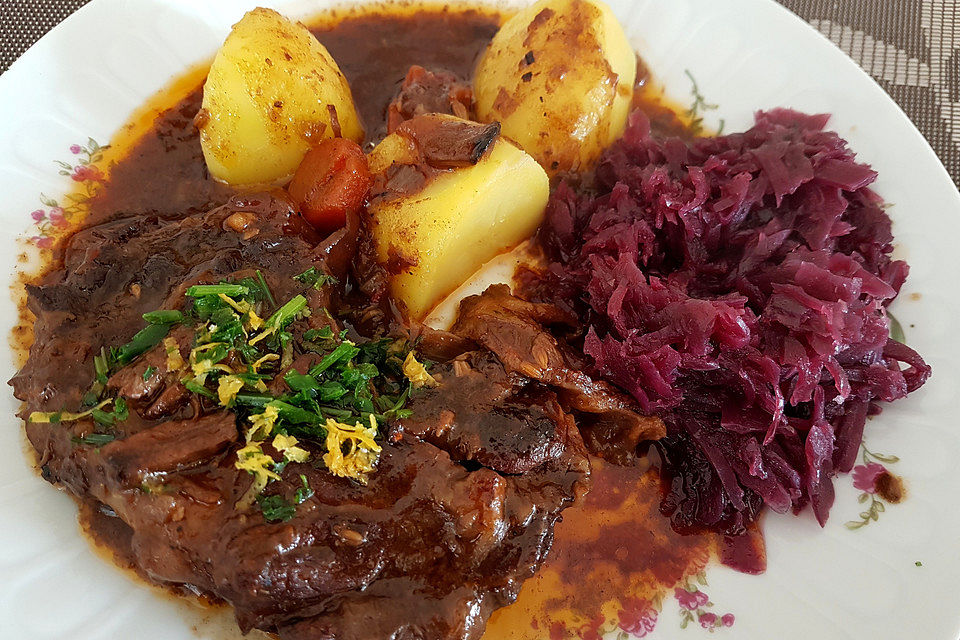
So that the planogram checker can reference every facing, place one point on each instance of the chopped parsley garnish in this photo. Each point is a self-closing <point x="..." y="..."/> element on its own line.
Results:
<point x="164" y="316"/>
<point x="145" y="339"/>
<point x="227" y="289"/>
<point x="304" y="493"/>
<point x="312" y="277"/>
<point x="285" y="314"/>
<point x="265" y="289"/>
<point x="195" y="387"/>
<point x="56" y="417"/>
<point x="95" y="439"/>
<point x="333" y="410"/>
<point x="276" y="508"/>
<point x="119" y="413"/>
<point x="101" y="366"/>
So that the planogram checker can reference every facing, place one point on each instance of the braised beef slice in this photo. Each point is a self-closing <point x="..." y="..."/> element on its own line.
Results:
<point x="501" y="421"/>
<point x="169" y="446"/>
<point x="150" y="387"/>
<point x="435" y="145"/>
<point x="426" y="550"/>
<point x="114" y="272"/>
<point x="513" y="329"/>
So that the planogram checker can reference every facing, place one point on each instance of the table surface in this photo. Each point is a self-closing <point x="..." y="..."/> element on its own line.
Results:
<point x="911" y="47"/>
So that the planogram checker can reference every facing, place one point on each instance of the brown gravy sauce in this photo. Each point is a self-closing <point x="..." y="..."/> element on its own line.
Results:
<point x="612" y="548"/>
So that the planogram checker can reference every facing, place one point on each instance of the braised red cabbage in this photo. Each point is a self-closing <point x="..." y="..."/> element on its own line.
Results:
<point x="737" y="286"/>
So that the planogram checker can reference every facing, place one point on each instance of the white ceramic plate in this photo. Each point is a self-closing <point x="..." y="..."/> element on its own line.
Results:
<point x="90" y="73"/>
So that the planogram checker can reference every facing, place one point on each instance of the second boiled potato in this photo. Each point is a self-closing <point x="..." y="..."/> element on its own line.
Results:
<point x="559" y="76"/>
<point x="434" y="227"/>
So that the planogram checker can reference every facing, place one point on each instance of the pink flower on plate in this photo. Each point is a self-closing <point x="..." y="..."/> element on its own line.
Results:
<point x="690" y="601"/>
<point x="44" y="242"/>
<point x="84" y="173"/>
<point x="57" y="217"/>
<point x="707" y="620"/>
<point x="38" y="215"/>
<point x="727" y="620"/>
<point x="638" y="617"/>
<point x="865" y="476"/>
<point x="75" y="149"/>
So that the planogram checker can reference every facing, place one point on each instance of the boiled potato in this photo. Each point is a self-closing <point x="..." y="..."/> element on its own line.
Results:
<point x="559" y="76"/>
<point x="269" y="95"/>
<point x="433" y="236"/>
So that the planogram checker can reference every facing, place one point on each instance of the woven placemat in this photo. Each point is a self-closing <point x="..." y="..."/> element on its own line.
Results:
<point x="911" y="47"/>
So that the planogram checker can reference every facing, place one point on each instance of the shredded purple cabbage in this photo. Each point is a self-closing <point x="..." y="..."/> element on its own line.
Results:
<point x="737" y="286"/>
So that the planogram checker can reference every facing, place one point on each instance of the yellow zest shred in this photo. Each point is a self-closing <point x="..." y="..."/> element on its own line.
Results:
<point x="228" y="388"/>
<point x="253" y="460"/>
<point x="262" y="424"/>
<point x="287" y="445"/>
<point x="205" y="347"/>
<point x="270" y="357"/>
<point x="174" y="359"/>
<point x="203" y="368"/>
<point x="362" y="450"/>
<point x="269" y="331"/>
<point x="241" y="306"/>
<point x="254" y="320"/>
<point x="416" y="373"/>
<point x="65" y="416"/>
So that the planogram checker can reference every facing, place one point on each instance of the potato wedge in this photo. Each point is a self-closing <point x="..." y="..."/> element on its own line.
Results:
<point x="436" y="220"/>
<point x="559" y="77"/>
<point x="270" y="93"/>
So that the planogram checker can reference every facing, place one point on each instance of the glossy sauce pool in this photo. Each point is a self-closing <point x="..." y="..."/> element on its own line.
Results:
<point x="614" y="554"/>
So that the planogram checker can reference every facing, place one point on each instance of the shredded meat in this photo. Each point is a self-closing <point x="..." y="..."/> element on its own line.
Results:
<point x="150" y="387"/>
<point x="425" y="92"/>
<point x="169" y="446"/>
<point x="500" y="420"/>
<point x="512" y="328"/>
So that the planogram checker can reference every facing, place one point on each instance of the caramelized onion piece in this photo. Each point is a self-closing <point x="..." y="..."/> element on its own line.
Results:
<point x="446" y="142"/>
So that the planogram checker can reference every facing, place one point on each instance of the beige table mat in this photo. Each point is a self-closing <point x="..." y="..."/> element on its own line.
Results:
<point x="911" y="47"/>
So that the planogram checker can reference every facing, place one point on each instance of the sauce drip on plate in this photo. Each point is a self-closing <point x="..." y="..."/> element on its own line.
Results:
<point x="612" y="551"/>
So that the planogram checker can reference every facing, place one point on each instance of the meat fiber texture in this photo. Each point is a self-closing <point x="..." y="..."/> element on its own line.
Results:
<point x="737" y="286"/>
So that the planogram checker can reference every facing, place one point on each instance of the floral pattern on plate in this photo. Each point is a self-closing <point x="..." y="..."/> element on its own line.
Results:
<point x="638" y="617"/>
<point x="695" y="605"/>
<point x="878" y="486"/>
<point x="57" y="215"/>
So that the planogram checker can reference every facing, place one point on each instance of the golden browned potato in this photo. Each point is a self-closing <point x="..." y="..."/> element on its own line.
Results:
<point x="452" y="195"/>
<point x="273" y="89"/>
<point x="559" y="76"/>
